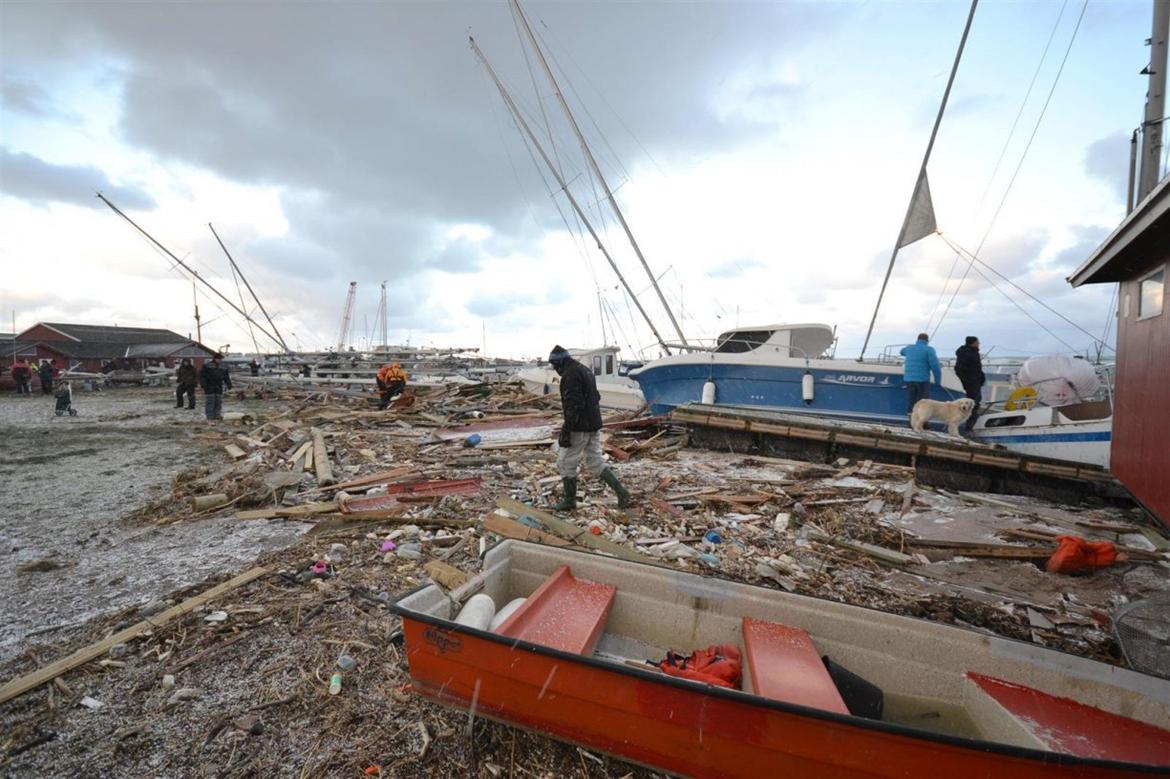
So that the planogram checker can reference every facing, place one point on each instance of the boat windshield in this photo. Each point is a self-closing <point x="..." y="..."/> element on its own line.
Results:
<point x="742" y="340"/>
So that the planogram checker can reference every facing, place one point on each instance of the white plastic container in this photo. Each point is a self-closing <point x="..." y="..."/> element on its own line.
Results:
<point x="478" y="612"/>
<point x="506" y="612"/>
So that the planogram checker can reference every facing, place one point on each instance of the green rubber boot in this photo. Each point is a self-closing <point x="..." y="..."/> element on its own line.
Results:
<point x="568" y="495"/>
<point x="611" y="479"/>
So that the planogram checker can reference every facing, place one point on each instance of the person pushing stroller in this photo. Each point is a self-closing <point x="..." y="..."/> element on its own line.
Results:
<point x="64" y="395"/>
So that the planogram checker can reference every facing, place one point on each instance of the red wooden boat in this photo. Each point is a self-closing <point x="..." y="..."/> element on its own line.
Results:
<point x="570" y="662"/>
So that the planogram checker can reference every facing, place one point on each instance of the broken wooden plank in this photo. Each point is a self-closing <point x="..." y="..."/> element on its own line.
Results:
<point x="29" y="681"/>
<point x="669" y="508"/>
<point x="615" y="451"/>
<point x="879" y="553"/>
<point x="578" y="535"/>
<point x="321" y="459"/>
<point x="234" y="451"/>
<point x="205" y="502"/>
<point x="507" y="527"/>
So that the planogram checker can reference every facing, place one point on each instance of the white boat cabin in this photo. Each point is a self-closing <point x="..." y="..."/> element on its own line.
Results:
<point x="808" y="341"/>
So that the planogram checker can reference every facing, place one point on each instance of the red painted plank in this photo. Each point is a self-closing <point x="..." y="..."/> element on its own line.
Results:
<point x="397" y="493"/>
<point x="563" y="613"/>
<point x="1067" y="726"/>
<point x="785" y="665"/>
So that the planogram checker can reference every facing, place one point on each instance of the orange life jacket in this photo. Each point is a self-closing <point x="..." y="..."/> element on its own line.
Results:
<point x="391" y="373"/>
<point x="718" y="664"/>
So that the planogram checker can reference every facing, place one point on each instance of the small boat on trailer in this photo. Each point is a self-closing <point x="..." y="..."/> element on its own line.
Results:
<point x="571" y="661"/>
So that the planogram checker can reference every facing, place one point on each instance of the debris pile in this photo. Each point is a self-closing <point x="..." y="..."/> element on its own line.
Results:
<point x="297" y="667"/>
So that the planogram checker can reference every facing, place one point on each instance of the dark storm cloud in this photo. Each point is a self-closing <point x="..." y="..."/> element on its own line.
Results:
<point x="382" y="112"/>
<point x="24" y="95"/>
<point x="1107" y="160"/>
<point x="36" y="181"/>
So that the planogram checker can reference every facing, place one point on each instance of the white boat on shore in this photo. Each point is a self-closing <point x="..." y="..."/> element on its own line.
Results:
<point x="617" y="391"/>
<point x="1061" y="408"/>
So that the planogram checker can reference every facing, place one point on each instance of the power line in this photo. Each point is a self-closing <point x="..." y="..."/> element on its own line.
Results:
<point x="1019" y="165"/>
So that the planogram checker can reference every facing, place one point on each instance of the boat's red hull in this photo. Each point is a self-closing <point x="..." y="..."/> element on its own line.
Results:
<point x="686" y="729"/>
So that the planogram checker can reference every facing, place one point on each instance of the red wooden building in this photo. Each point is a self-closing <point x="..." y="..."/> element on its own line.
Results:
<point x="93" y="348"/>
<point x="1137" y="256"/>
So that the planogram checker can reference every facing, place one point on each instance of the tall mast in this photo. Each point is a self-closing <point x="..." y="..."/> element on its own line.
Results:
<point x="251" y="291"/>
<point x="198" y="326"/>
<point x="194" y="273"/>
<point x="921" y="194"/>
<point x="382" y="310"/>
<point x="519" y="119"/>
<point x="1155" y="101"/>
<point x="594" y="166"/>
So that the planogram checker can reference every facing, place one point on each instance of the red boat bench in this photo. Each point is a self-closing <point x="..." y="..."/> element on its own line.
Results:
<point x="785" y="666"/>
<point x="563" y="613"/>
<point x="1064" y="725"/>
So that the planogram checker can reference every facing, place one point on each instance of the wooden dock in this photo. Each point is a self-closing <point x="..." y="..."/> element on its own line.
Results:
<point x="938" y="459"/>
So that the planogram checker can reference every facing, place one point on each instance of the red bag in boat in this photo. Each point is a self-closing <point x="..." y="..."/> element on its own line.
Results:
<point x="1076" y="555"/>
<point x="718" y="664"/>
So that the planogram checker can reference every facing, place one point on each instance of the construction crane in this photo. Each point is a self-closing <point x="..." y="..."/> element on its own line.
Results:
<point x="346" y="317"/>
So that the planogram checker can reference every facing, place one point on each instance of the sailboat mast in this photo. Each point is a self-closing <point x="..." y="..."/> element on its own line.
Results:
<point x="594" y="166"/>
<point x="251" y="291"/>
<point x="194" y="273"/>
<point x="920" y="183"/>
<point x="519" y="119"/>
<point x="1155" y="102"/>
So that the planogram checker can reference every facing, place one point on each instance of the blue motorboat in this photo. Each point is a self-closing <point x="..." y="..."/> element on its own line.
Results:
<point x="785" y="366"/>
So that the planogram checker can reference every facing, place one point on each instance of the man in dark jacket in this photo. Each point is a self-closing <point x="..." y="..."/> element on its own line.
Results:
<point x="185" y="379"/>
<point x="969" y="369"/>
<point x="214" y="379"/>
<point x="46" y="372"/>
<point x="22" y="375"/>
<point x="581" y="432"/>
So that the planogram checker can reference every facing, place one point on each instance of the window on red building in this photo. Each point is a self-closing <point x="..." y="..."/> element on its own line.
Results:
<point x="1151" y="294"/>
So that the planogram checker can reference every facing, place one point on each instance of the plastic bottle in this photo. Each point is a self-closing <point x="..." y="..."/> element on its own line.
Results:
<point x="713" y="537"/>
<point x="346" y="662"/>
<point x="335" y="684"/>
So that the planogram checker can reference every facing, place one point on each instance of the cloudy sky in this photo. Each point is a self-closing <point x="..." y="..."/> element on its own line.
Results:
<point x="763" y="153"/>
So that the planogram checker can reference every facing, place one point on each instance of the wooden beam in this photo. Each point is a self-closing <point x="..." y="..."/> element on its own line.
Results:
<point x="29" y="681"/>
<point x="321" y="460"/>
<point x="567" y="530"/>
<point x="510" y="528"/>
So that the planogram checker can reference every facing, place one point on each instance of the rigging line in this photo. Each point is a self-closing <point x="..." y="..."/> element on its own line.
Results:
<point x="536" y="91"/>
<point x="920" y="179"/>
<point x="1023" y="105"/>
<point x="942" y="292"/>
<point x="1017" y="287"/>
<point x="1110" y="313"/>
<point x="583" y="106"/>
<point x="577" y="233"/>
<point x="174" y="267"/>
<point x="1019" y="165"/>
<point x="1002" y="153"/>
<point x="244" y="305"/>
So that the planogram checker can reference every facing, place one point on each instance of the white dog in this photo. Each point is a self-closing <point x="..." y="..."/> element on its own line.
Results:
<point x="954" y="413"/>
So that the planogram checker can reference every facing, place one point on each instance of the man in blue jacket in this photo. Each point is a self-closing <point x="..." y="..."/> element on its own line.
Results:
<point x="921" y="364"/>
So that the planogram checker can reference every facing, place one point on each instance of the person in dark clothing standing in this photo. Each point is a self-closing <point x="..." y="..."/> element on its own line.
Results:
<point x="46" y="372"/>
<point x="22" y="375"/>
<point x="254" y="367"/>
<point x="214" y="379"/>
<point x="185" y="379"/>
<point x="581" y="433"/>
<point x="969" y="369"/>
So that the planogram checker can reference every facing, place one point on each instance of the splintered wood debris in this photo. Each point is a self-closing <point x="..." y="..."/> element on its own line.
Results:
<point x="395" y="498"/>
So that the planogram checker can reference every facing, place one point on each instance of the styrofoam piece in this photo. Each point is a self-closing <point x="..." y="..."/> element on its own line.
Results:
<point x="478" y="612"/>
<point x="506" y="612"/>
